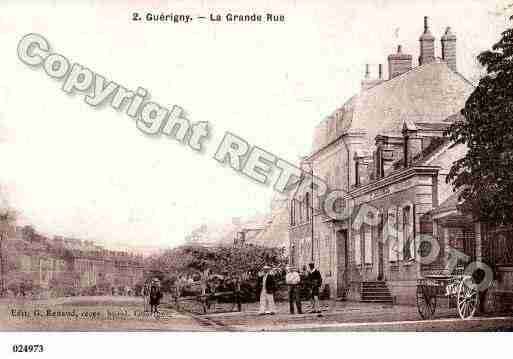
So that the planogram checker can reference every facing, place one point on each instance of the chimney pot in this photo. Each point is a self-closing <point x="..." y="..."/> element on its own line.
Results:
<point x="380" y="71"/>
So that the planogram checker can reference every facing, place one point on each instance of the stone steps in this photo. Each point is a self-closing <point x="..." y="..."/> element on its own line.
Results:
<point x="375" y="292"/>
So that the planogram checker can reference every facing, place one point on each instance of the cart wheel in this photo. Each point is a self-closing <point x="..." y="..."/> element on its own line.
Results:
<point x="426" y="304"/>
<point x="467" y="299"/>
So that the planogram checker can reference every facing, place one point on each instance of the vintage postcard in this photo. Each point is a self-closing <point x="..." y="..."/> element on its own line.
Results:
<point x="255" y="166"/>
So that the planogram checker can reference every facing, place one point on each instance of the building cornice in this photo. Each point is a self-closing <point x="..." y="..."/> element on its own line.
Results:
<point x="394" y="177"/>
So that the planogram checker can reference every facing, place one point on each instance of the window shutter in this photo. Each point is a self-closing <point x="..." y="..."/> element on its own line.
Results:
<point x="390" y="234"/>
<point x="368" y="244"/>
<point x="400" y="233"/>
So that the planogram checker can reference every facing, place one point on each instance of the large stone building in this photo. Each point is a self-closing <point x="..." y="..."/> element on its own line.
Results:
<point x="64" y="266"/>
<point x="357" y="148"/>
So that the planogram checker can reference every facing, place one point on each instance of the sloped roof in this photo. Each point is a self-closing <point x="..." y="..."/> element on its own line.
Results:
<point x="425" y="94"/>
<point x="224" y="233"/>
<point x="275" y="234"/>
<point x="449" y="204"/>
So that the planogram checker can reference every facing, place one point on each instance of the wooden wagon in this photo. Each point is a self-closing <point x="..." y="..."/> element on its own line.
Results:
<point x="460" y="290"/>
<point x="207" y="302"/>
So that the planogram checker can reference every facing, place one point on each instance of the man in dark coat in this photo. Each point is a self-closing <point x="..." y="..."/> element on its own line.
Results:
<point x="315" y="279"/>
<point x="236" y="283"/>
<point x="155" y="297"/>
<point x="266" y="286"/>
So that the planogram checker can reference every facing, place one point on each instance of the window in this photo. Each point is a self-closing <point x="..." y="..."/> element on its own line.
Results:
<point x="357" y="250"/>
<point x="368" y="244"/>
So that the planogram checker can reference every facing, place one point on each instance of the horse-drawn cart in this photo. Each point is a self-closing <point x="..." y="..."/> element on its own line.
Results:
<point x="209" y="303"/>
<point x="207" y="299"/>
<point x="459" y="290"/>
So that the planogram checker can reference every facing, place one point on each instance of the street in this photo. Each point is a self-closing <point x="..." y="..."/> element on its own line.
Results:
<point x="117" y="313"/>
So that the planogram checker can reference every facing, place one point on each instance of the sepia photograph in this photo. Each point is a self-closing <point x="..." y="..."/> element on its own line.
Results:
<point x="171" y="168"/>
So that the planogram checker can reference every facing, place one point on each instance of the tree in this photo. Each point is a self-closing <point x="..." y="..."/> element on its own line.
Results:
<point x="7" y="218"/>
<point x="484" y="175"/>
<point x="220" y="260"/>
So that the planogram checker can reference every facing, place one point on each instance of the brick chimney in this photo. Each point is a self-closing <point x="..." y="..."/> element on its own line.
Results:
<point x="427" y="45"/>
<point x="449" y="48"/>
<point x="398" y="63"/>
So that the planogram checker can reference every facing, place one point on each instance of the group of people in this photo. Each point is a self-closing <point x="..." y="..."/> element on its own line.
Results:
<point x="309" y="280"/>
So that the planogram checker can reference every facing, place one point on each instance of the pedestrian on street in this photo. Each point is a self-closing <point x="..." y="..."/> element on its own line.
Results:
<point x="315" y="279"/>
<point x="146" y="296"/>
<point x="205" y="277"/>
<point x="293" y="281"/>
<point x="155" y="297"/>
<point x="266" y="286"/>
<point x="305" y="287"/>
<point x="236" y="284"/>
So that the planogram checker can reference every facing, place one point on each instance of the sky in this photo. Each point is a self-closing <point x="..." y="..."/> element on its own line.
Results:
<point x="73" y="170"/>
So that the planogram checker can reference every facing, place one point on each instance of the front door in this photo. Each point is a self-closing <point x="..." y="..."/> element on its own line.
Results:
<point x="342" y="262"/>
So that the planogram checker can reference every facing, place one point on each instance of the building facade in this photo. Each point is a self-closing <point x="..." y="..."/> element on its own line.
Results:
<point x="66" y="266"/>
<point x="355" y="150"/>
